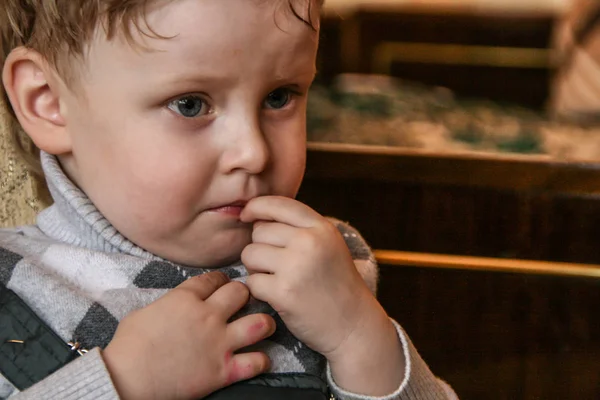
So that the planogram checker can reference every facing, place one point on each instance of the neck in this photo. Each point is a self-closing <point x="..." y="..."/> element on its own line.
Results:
<point x="73" y="218"/>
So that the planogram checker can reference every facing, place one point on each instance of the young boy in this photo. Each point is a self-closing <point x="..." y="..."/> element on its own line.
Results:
<point x="172" y="139"/>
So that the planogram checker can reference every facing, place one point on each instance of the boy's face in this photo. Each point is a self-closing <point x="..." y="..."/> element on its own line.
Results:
<point x="170" y="143"/>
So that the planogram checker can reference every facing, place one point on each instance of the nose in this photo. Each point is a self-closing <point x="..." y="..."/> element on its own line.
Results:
<point x="247" y="149"/>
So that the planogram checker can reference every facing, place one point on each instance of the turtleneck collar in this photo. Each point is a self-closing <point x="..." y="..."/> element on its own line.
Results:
<point x="73" y="218"/>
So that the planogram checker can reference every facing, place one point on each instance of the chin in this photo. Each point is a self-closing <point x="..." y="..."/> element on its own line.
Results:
<point x="223" y="252"/>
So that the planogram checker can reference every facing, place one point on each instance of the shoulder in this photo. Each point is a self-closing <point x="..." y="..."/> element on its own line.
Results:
<point x="11" y="238"/>
<point x="22" y="239"/>
<point x="17" y="244"/>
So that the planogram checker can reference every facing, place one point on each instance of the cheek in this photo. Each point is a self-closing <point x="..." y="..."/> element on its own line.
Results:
<point x="154" y="200"/>
<point x="177" y="181"/>
<point x="152" y="168"/>
<point x="160" y="160"/>
<point x="289" y="160"/>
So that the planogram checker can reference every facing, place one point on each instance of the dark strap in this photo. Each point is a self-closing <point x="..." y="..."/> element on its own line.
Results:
<point x="256" y="392"/>
<point x="276" y="386"/>
<point x="29" y="349"/>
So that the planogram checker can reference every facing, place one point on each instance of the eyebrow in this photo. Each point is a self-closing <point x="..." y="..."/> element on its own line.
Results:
<point x="312" y="74"/>
<point x="186" y="79"/>
<point x="195" y="78"/>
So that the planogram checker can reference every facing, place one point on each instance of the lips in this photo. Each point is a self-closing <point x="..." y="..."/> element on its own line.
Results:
<point x="232" y="209"/>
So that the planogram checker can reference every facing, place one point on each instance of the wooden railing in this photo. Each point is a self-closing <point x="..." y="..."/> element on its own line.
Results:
<point x="428" y="260"/>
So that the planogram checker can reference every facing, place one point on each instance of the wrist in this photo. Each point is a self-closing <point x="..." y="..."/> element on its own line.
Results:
<point x="371" y="360"/>
<point x="125" y="377"/>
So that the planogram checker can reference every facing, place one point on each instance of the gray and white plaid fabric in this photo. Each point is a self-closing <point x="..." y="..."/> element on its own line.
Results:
<point x="81" y="276"/>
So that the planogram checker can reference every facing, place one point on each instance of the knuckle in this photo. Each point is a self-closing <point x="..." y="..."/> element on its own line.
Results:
<point x="288" y="291"/>
<point x="311" y="241"/>
<point x="184" y="296"/>
<point x="208" y="320"/>
<point x="307" y="238"/>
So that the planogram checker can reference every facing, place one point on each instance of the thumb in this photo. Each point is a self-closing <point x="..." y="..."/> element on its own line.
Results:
<point x="206" y="284"/>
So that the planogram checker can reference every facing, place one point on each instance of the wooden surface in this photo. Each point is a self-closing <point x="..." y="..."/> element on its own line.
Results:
<point x="490" y="333"/>
<point x="486" y="208"/>
<point x="501" y="336"/>
<point x="486" y="264"/>
<point x="534" y="174"/>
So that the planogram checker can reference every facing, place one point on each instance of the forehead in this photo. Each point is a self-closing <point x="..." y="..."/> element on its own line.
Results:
<point x="237" y="36"/>
<point x="232" y="23"/>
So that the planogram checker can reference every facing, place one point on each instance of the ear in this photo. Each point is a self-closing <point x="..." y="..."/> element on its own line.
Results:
<point x="33" y="88"/>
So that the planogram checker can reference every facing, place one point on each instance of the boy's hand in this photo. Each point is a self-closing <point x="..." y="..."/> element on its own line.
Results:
<point x="301" y="265"/>
<point x="182" y="346"/>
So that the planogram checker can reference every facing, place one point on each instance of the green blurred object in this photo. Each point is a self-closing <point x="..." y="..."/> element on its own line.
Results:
<point x="379" y="110"/>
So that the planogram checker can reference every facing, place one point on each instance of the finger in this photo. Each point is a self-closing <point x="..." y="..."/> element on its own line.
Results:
<point x="245" y="366"/>
<point x="273" y="233"/>
<point x="249" y="330"/>
<point x="229" y="298"/>
<point x="261" y="287"/>
<point x="259" y="257"/>
<point x="206" y="284"/>
<point x="280" y="209"/>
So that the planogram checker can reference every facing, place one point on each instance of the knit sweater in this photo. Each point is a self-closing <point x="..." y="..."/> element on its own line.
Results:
<point x="82" y="277"/>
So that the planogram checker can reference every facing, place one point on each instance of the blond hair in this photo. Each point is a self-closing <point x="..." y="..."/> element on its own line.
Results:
<point x="59" y="30"/>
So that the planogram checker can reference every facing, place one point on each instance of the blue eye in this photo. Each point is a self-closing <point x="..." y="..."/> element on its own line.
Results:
<point x="189" y="106"/>
<point x="278" y="99"/>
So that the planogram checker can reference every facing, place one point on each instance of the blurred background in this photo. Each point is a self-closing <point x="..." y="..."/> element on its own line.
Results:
<point x="490" y="48"/>
<point x="461" y="138"/>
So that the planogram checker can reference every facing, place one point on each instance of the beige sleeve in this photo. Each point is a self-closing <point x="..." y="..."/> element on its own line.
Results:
<point x="83" y="379"/>
<point x="419" y="382"/>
